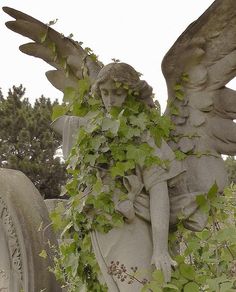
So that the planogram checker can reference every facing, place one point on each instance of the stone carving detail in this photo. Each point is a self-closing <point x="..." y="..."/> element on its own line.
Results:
<point x="21" y="267"/>
<point x="12" y="240"/>
<point x="4" y="279"/>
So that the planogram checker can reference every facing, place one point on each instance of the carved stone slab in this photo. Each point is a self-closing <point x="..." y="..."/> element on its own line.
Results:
<point x="24" y="232"/>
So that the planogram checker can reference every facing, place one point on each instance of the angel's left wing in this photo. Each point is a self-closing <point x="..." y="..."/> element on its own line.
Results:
<point x="197" y="69"/>
<point x="71" y="61"/>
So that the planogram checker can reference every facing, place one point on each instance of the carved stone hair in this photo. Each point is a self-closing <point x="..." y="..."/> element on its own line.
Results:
<point x="127" y="75"/>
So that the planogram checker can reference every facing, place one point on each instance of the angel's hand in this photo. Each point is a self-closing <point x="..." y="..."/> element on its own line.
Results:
<point x="163" y="262"/>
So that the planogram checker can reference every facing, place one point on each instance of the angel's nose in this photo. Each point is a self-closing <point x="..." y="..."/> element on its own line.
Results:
<point x="112" y="100"/>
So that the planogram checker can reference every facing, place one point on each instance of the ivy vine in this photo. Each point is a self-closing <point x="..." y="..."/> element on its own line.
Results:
<point x="109" y="143"/>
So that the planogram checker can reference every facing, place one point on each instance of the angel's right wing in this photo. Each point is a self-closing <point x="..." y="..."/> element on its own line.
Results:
<point x="197" y="69"/>
<point x="71" y="61"/>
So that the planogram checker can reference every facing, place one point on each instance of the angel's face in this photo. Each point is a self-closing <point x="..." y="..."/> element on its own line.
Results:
<point x="112" y="95"/>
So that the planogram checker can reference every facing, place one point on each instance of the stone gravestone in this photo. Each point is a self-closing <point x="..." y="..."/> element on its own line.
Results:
<point x="24" y="233"/>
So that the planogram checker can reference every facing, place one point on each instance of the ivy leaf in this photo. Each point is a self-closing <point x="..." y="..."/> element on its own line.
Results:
<point x="171" y="286"/>
<point x="132" y="105"/>
<point x="213" y="191"/>
<point x="187" y="271"/>
<point x="203" y="203"/>
<point x="165" y="125"/>
<point x="52" y="22"/>
<point x="57" y="220"/>
<point x="133" y="152"/>
<point x="179" y="95"/>
<point x="84" y="86"/>
<point x="115" y="112"/>
<point x="117" y="220"/>
<point x="58" y="111"/>
<point x="178" y="87"/>
<point x="103" y="224"/>
<point x="68" y="226"/>
<point x="91" y="126"/>
<point x="174" y="110"/>
<point x="90" y="159"/>
<point x="226" y="235"/>
<point x="97" y="187"/>
<point x="97" y="141"/>
<point x="126" y="130"/>
<point x="215" y="283"/>
<point x="152" y="286"/>
<point x="191" y="287"/>
<point x="139" y="153"/>
<point x="179" y="155"/>
<point x="69" y="94"/>
<point x="157" y="136"/>
<point x="140" y="121"/>
<point x="225" y="286"/>
<point x="121" y="167"/>
<point x="205" y="234"/>
<point x="185" y="77"/>
<point x="43" y="254"/>
<point x="158" y="276"/>
<point x="87" y="243"/>
<point x="110" y="125"/>
<point x="79" y="109"/>
<point x="117" y="152"/>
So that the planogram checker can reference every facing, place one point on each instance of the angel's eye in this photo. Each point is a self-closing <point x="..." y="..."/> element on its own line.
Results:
<point x="119" y="92"/>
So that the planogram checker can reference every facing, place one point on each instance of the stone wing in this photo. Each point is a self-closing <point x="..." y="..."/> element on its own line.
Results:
<point x="197" y="69"/>
<point x="71" y="61"/>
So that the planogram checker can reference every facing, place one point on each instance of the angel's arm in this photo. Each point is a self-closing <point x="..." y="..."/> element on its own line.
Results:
<point x="160" y="213"/>
<point x="67" y="127"/>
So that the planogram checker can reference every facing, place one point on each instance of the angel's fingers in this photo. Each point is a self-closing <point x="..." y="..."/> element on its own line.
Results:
<point x="157" y="265"/>
<point x="166" y="269"/>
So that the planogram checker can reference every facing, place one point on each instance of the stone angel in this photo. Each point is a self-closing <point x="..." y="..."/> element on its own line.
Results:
<point x="197" y="68"/>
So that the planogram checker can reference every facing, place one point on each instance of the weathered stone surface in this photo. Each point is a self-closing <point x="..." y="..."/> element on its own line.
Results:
<point x="197" y="69"/>
<point x="24" y="233"/>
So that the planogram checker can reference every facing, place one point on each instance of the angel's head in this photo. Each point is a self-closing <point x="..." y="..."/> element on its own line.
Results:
<point x="116" y="81"/>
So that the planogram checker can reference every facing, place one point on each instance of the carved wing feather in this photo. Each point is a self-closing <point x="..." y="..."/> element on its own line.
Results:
<point x="67" y="56"/>
<point x="206" y="55"/>
<point x="208" y="40"/>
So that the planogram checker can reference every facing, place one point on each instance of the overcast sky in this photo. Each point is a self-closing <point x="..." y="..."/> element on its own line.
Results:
<point x="137" y="32"/>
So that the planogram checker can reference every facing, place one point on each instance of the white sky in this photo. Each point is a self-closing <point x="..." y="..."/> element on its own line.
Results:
<point x="137" y="32"/>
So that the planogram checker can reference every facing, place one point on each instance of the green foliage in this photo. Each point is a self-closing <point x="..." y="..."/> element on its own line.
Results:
<point x="112" y="145"/>
<point x="230" y="164"/>
<point x="108" y="146"/>
<point x="27" y="142"/>
<point x="207" y="260"/>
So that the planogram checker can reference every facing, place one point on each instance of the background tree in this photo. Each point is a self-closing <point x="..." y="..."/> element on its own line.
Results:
<point x="27" y="142"/>
<point x="230" y="163"/>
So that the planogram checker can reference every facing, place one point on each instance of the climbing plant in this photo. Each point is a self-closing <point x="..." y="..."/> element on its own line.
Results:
<point x="207" y="259"/>
<point x="110" y="143"/>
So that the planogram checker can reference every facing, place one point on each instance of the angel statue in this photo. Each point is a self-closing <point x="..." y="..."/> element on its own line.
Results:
<point x="202" y="111"/>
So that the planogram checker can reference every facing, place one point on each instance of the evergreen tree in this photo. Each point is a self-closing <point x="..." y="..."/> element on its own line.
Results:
<point x="27" y="142"/>
<point x="230" y="163"/>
